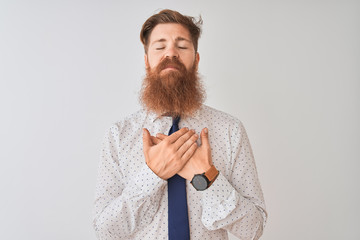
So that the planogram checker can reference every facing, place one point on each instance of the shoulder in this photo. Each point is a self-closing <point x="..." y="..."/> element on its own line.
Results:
<point x="129" y="122"/>
<point x="223" y="122"/>
<point x="133" y="119"/>
<point x="219" y="116"/>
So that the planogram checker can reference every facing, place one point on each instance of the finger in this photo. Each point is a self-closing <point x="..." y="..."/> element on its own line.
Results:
<point x="176" y="135"/>
<point x="147" y="143"/>
<point x="187" y="144"/>
<point x="155" y="140"/>
<point x="184" y="138"/>
<point x="161" y="136"/>
<point x="190" y="151"/>
<point x="204" y="135"/>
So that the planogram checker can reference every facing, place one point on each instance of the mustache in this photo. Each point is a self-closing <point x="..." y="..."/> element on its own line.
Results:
<point x="171" y="62"/>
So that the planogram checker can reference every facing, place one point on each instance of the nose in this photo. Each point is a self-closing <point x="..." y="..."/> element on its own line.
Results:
<point x="172" y="52"/>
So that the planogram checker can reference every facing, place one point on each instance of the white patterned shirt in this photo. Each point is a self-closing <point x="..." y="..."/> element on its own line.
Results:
<point x="131" y="200"/>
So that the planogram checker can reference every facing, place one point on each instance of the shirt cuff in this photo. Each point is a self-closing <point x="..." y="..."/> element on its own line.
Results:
<point x="220" y="195"/>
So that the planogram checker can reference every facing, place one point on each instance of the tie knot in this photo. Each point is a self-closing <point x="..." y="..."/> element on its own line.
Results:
<point x="175" y="125"/>
<point x="176" y="121"/>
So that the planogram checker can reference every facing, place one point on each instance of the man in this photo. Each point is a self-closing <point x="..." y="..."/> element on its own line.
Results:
<point x="159" y="184"/>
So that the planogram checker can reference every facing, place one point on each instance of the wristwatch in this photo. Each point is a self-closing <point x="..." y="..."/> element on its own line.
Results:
<point x="203" y="181"/>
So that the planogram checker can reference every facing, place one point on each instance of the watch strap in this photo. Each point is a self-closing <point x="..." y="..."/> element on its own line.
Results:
<point x="211" y="174"/>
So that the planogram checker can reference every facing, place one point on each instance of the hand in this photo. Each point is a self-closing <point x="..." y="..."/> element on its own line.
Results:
<point x="165" y="158"/>
<point x="200" y="161"/>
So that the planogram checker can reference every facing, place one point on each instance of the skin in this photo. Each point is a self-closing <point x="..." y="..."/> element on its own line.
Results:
<point x="200" y="161"/>
<point x="170" y="40"/>
<point x="179" y="152"/>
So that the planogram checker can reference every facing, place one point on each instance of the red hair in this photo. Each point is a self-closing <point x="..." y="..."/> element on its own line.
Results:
<point x="170" y="16"/>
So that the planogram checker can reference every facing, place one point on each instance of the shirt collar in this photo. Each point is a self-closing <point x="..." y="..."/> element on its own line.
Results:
<point x="153" y="116"/>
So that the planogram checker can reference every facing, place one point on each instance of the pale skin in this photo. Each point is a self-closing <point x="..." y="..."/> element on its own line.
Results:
<point x="179" y="152"/>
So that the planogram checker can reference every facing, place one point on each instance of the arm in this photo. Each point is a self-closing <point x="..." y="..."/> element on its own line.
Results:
<point x="235" y="202"/>
<point x="122" y="207"/>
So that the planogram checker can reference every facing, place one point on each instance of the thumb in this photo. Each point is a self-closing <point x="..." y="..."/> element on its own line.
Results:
<point x="147" y="143"/>
<point x="204" y="135"/>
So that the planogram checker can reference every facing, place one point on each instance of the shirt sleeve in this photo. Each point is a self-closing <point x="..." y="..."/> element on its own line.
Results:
<point x="123" y="206"/>
<point x="235" y="200"/>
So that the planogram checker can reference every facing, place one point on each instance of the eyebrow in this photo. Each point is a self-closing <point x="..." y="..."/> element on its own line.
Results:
<point x="178" y="39"/>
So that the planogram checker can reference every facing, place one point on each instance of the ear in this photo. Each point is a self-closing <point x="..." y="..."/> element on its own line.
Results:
<point x="146" y="61"/>
<point x="197" y="59"/>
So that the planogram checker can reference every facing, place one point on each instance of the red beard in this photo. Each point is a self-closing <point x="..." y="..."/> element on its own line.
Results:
<point x="174" y="93"/>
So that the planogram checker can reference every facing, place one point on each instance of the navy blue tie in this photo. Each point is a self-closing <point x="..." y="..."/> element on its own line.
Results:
<point x="177" y="203"/>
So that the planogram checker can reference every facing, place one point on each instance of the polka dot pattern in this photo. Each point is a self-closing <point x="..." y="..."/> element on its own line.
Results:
<point x="131" y="201"/>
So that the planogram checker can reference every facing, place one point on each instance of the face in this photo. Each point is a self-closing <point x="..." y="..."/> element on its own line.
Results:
<point x="168" y="40"/>
<point x="171" y="86"/>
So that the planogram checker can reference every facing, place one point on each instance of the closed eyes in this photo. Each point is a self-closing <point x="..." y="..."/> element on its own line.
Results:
<point x="161" y="48"/>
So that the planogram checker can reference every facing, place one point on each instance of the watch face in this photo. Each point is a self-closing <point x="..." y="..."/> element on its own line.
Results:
<point x="199" y="182"/>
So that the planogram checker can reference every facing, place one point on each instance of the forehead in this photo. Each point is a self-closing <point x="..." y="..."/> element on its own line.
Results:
<point x="169" y="31"/>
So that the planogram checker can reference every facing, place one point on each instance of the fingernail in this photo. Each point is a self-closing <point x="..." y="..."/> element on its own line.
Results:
<point x="205" y="130"/>
<point x="186" y="129"/>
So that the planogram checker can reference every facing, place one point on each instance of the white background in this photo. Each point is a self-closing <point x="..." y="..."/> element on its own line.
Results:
<point x="290" y="70"/>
